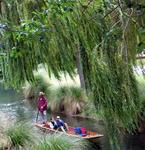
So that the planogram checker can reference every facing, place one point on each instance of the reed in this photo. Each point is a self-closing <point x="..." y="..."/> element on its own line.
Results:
<point x="20" y="135"/>
<point x="61" y="142"/>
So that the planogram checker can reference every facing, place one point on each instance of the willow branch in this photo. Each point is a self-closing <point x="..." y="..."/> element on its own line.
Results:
<point x="111" y="11"/>
<point x="98" y="45"/>
<point x="87" y="5"/>
<point x="127" y="23"/>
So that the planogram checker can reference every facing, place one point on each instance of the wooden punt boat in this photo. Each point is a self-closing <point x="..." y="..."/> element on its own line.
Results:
<point x="89" y="136"/>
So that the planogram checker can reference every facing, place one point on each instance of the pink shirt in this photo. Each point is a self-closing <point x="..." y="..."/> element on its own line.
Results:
<point x="42" y="103"/>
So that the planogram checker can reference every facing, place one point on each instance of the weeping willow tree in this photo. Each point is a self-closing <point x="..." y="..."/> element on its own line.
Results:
<point x="101" y="38"/>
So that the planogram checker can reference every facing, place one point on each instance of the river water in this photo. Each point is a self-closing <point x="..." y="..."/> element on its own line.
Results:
<point x="13" y="108"/>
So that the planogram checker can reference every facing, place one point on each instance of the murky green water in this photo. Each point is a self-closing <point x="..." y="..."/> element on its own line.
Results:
<point x="9" y="96"/>
<point x="17" y="109"/>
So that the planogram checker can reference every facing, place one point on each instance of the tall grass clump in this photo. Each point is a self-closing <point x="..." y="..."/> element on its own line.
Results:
<point x="77" y="100"/>
<point x="59" y="95"/>
<point x="60" y="142"/>
<point x="69" y="100"/>
<point x="20" y="135"/>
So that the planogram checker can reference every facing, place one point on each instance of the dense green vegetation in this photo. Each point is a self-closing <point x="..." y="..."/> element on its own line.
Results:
<point x="22" y="138"/>
<point x="20" y="135"/>
<point x="61" y="142"/>
<point x="70" y="100"/>
<point x="98" y="38"/>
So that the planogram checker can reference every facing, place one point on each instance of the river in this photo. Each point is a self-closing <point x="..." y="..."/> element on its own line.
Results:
<point x="13" y="108"/>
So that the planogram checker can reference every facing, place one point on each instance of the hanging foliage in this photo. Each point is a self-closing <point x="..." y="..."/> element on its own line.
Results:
<point x="107" y="34"/>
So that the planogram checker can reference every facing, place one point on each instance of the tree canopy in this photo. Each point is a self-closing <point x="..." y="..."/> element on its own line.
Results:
<point x="107" y="33"/>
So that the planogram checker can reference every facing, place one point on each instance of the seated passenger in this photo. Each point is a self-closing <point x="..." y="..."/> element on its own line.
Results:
<point x="53" y="124"/>
<point x="61" y="124"/>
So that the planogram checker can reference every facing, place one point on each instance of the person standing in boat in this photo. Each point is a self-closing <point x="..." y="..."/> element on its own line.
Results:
<point x="42" y="106"/>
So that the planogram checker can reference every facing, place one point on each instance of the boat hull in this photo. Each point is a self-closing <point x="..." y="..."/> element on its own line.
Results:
<point x="90" y="135"/>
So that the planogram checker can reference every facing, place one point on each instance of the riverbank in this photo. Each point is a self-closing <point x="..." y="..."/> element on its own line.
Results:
<point x="5" y="122"/>
<point x="5" y="142"/>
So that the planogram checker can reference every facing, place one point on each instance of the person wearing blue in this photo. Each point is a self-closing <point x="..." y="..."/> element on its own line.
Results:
<point x="61" y="124"/>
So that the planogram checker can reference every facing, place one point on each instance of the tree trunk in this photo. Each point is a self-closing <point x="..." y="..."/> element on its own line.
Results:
<point x="80" y="68"/>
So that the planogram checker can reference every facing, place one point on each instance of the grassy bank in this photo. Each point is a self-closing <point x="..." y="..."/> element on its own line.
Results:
<point x="22" y="138"/>
<point x="20" y="135"/>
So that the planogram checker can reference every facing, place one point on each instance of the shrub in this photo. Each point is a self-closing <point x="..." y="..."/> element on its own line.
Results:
<point x="19" y="135"/>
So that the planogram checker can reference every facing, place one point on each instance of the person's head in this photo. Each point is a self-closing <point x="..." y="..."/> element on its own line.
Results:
<point x="58" y="117"/>
<point x="41" y="94"/>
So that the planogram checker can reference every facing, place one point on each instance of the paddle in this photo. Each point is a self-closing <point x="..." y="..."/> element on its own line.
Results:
<point x="37" y="116"/>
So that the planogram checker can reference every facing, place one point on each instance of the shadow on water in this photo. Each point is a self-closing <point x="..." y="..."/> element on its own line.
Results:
<point x="12" y="104"/>
<point x="134" y="142"/>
